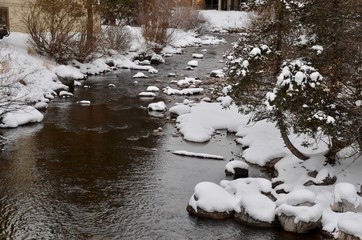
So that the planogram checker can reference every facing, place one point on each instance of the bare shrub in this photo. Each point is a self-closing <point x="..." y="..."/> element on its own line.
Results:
<point x="187" y="18"/>
<point x="56" y="29"/>
<point x="154" y="18"/>
<point x="116" y="38"/>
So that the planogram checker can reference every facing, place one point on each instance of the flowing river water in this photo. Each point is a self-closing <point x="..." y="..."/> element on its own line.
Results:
<point x="100" y="171"/>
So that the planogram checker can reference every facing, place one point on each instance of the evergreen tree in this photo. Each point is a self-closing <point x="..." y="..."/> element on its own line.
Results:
<point x="300" y="66"/>
<point x="253" y="65"/>
<point x="338" y="28"/>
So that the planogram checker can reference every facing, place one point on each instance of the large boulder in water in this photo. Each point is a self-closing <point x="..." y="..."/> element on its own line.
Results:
<point x="256" y="210"/>
<point x="237" y="168"/>
<point x="211" y="201"/>
<point x="297" y="211"/>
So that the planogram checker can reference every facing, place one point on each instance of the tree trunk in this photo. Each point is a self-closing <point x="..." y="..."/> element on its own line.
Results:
<point x="90" y="24"/>
<point x="279" y="43"/>
<point x="290" y="145"/>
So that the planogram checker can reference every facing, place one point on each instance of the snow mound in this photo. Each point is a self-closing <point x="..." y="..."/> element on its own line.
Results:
<point x="236" y="164"/>
<point x="21" y="116"/>
<point x="348" y="192"/>
<point x="212" y="198"/>
<point x="159" y="106"/>
<point x="351" y="225"/>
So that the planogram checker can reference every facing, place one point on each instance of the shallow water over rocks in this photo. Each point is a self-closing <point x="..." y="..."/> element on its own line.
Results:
<point x="101" y="172"/>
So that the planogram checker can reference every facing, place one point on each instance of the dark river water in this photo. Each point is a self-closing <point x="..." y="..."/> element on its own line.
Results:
<point x="100" y="171"/>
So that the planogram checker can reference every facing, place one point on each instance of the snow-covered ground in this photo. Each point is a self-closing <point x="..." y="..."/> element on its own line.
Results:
<point x="36" y="83"/>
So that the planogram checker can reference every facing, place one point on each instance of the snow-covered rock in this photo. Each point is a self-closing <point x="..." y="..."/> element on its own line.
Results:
<point x="212" y="201"/>
<point x="193" y="63"/>
<point x="197" y="55"/>
<point x="84" y="102"/>
<point x="140" y="75"/>
<point x="147" y="94"/>
<point x="298" y="213"/>
<point x="217" y="73"/>
<point x="237" y="168"/>
<point x="152" y="89"/>
<point x="65" y="94"/>
<point x="346" y="199"/>
<point x="159" y="106"/>
<point x="21" y="116"/>
<point x="350" y="228"/>
<point x="256" y="210"/>
<point x="187" y="82"/>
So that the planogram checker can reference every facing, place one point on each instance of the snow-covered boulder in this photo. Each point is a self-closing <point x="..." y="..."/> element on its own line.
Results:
<point x="187" y="82"/>
<point x="324" y="177"/>
<point x="346" y="199"/>
<point x="237" y="168"/>
<point x="152" y="89"/>
<point x="193" y="63"/>
<point x="256" y="210"/>
<point x="297" y="211"/>
<point x="157" y="59"/>
<point x="84" y="102"/>
<point x="350" y="228"/>
<point x="211" y="201"/>
<point x="159" y="106"/>
<point x="20" y="116"/>
<point x="65" y="94"/>
<point x="147" y="94"/>
<point x="198" y="55"/>
<point x="171" y="75"/>
<point x="140" y="75"/>
<point x="217" y="73"/>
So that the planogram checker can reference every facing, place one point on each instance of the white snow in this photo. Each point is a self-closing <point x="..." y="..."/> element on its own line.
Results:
<point x="205" y="118"/>
<point x="348" y="192"/>
<point x="218" y="73"/>
<point x="193" y="63"/>
<point x="21" y="116"/>
<point x="301" y="213"/>
<point x="255" y="52"/>
<point x="236" y="164"/>
<point x="140" y="75"/>
<point x="212" y="198"/>
<point x="219" y="22"/>
<point x="158" y="106"/>
<point x="152" y="89"/>
<point x="65" y="94"/>
<point x="296" y="197"/>
<point x="180" y="109"/>
<point x="188" y="81"/>
<point x="147" y="94"/>
<point x="84" y="102"/>
<point x="351" y="225"/>
<point x="198" y="55"/>
<point x="186" y="91"/>
<point x="68" y="71"/>
<point x="259" y="206"/>
<point x="198" y="155"/>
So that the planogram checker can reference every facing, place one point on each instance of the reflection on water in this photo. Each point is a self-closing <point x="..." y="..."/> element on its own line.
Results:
<point x="100" y="172"/>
